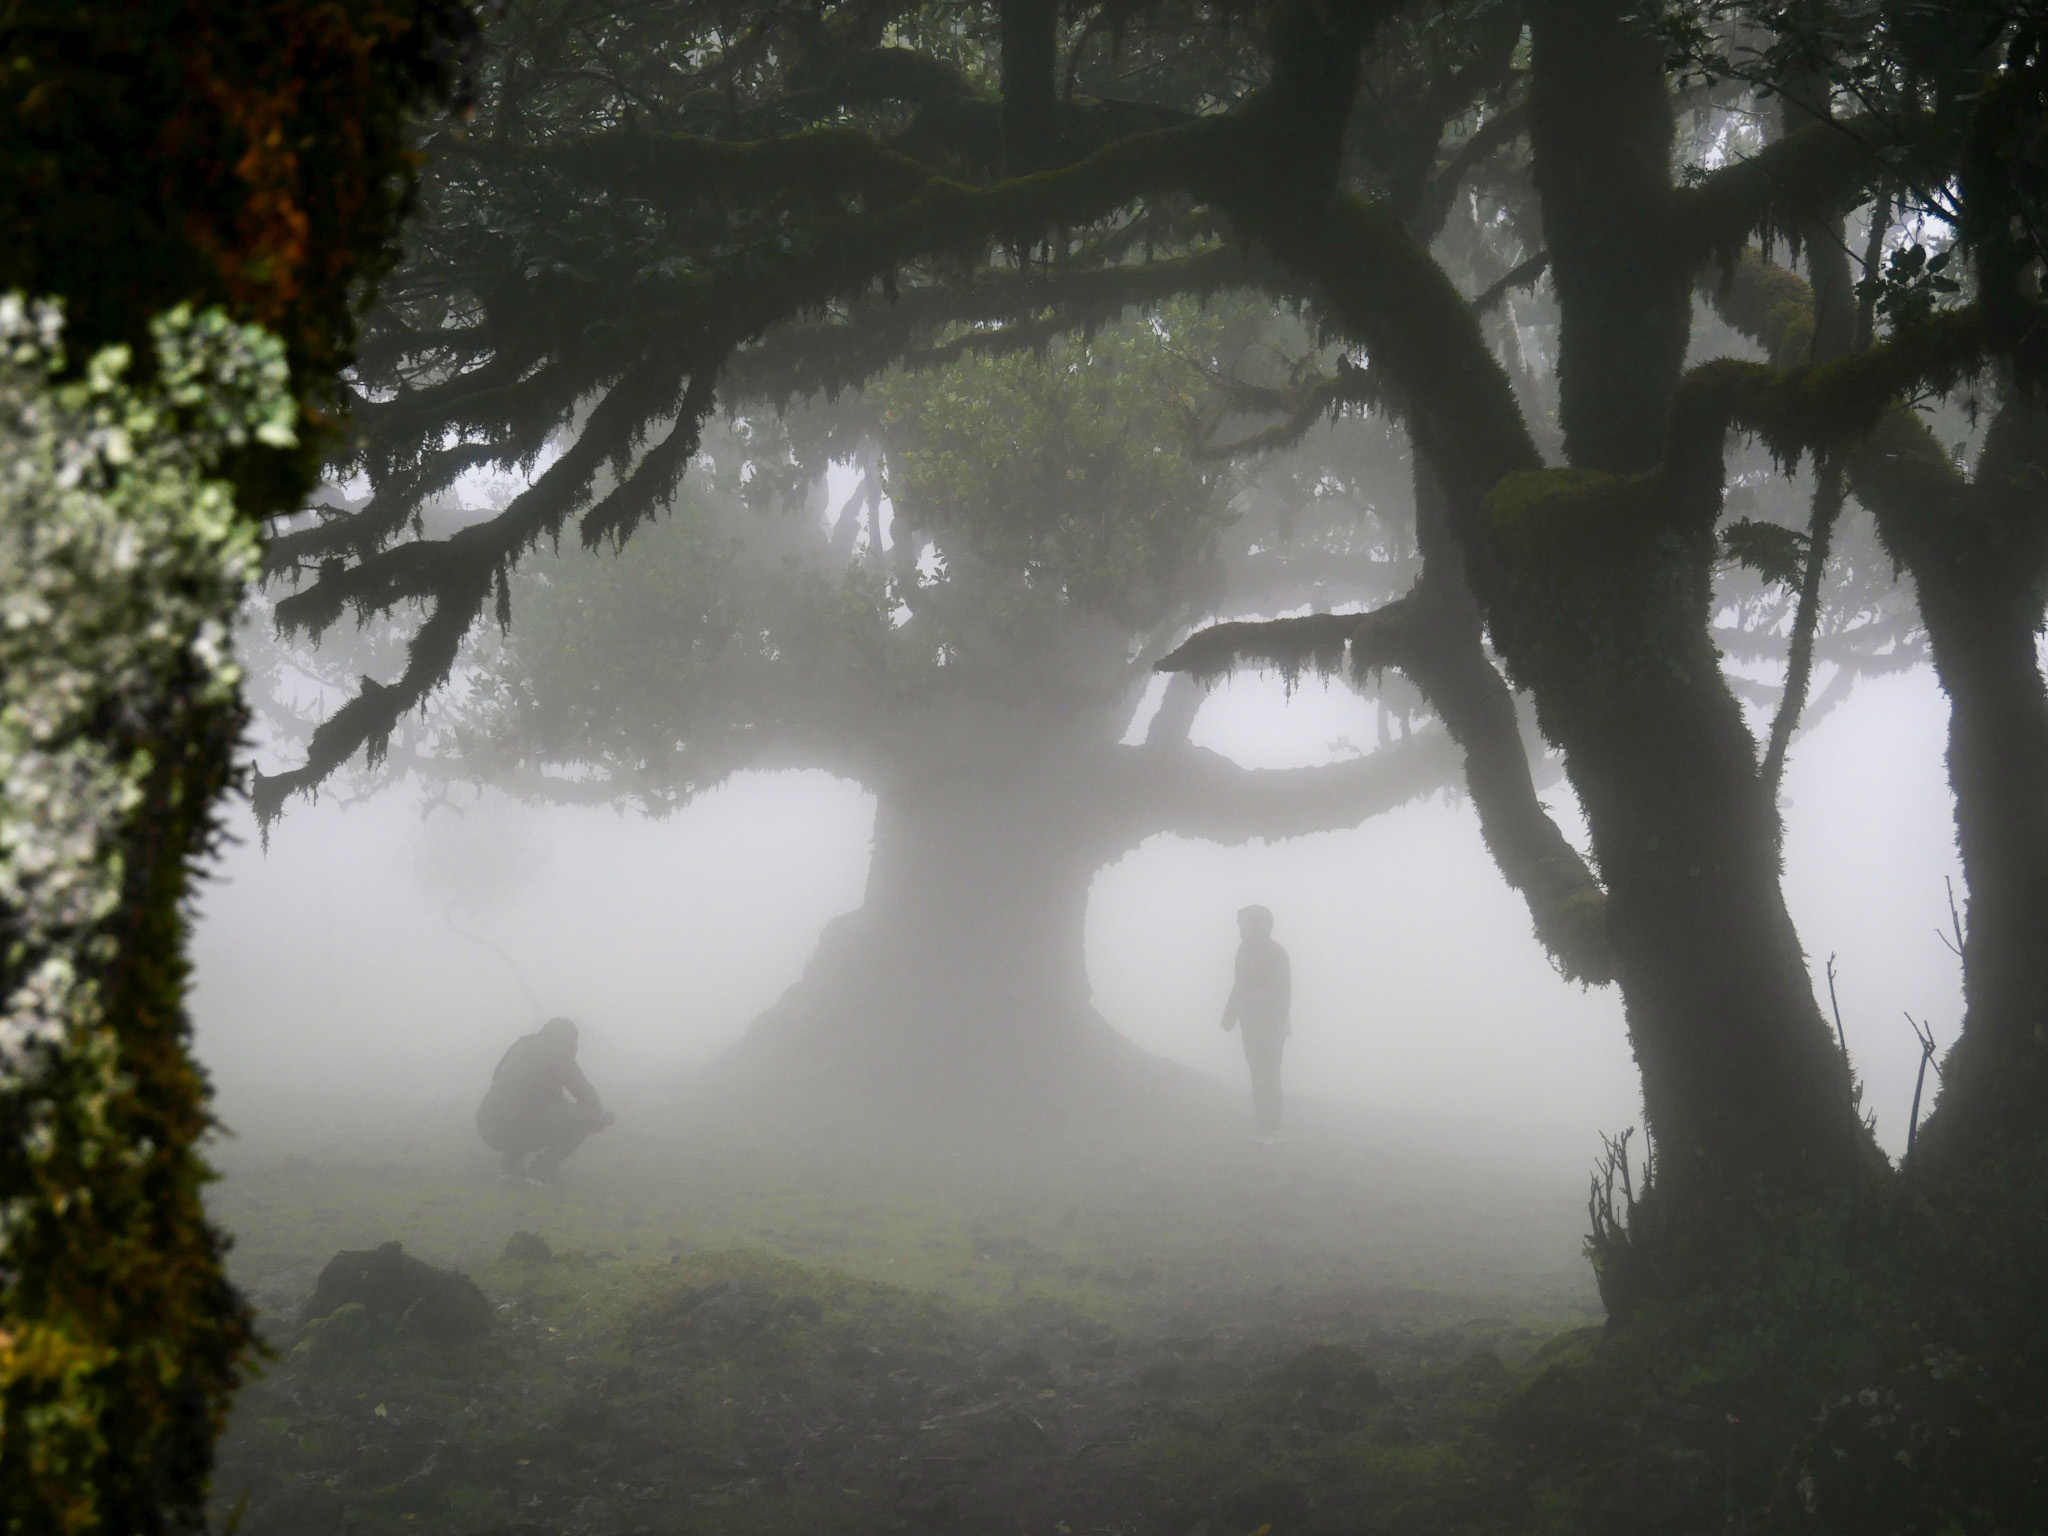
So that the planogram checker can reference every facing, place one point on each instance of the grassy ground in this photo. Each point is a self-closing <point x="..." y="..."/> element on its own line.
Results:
<point x="1160" y="1329"/>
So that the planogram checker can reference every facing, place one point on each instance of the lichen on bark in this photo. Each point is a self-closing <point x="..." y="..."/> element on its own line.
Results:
<point x="123" y="558"/>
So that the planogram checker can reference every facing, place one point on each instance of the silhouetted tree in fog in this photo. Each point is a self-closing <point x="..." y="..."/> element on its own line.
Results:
<point x="978" y="669"/>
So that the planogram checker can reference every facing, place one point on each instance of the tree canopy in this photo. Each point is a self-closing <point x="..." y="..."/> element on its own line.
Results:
<point x="1615" y="275"/>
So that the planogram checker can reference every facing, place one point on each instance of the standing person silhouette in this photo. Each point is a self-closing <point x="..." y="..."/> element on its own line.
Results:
<point x="1260" y="999"/>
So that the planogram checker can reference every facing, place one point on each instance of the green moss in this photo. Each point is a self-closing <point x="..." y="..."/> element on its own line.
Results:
<point x="123" y="560"/>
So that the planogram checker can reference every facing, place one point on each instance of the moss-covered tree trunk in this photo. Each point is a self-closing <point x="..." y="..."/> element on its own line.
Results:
<point x="1979" y="562"/>
<point x="122" y="564"/>
<point x="1602" y="610"/>
<point x="1743" y="1088"/>
<point x="192" y="197"/>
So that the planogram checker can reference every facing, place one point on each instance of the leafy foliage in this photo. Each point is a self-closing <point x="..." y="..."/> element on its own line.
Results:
<point x="1051" y="520"/>
<point x="1073" y="468"/>
<point x="1774" y="552"/>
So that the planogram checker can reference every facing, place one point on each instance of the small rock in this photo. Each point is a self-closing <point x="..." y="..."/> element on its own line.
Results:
<point x="527" y="1248"/>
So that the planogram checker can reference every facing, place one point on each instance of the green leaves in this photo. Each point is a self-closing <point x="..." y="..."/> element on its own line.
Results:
<point x="1072" y="467"/>
<point x="1774" y="552"/>
<point x="1913" y="282"/>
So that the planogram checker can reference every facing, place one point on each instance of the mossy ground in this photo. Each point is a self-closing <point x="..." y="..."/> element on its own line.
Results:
<point x="1157" y="1330"/>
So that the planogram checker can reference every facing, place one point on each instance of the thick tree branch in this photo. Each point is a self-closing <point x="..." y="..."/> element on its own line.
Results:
<point x="1198" y="793"/>
<point x="457" y="575"/>
<point x="1823" y="168"/>
<point x="1422" y="637"/>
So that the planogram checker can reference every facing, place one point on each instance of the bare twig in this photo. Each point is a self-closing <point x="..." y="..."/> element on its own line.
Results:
<point x="1835" y="1004"/>
<point x="1955" y="921"/>
<point x="1925" y="1036"/>
<point x="497" y="949"/>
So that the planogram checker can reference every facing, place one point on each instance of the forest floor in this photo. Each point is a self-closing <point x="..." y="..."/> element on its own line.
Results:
<point x="1155" y="1330"/>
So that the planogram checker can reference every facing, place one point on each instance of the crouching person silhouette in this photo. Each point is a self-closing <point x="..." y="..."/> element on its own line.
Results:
<point x="539" y="1104"/>
<point x="1261" y="998"/>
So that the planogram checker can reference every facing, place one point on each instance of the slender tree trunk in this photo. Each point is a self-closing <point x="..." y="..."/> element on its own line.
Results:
<point x="1978" y="555"/>
<point x="1979" y="575"/>
<point x="1030" y="45"/>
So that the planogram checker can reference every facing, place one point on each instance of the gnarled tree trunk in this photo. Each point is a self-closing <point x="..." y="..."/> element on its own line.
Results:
<point x="963" y="973"/>
<point x="1604" y="613"/>
<point x="1979" y="558"/>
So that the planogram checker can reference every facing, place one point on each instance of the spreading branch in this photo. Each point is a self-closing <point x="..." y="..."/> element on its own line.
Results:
<point x="1199" y="793"/>
<point x="1430" y="642"/>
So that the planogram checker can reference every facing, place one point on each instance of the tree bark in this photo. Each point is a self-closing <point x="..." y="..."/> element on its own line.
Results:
<point x="1601" y="126"/>
<point x="1030" y="45"/>
<point x="1979" y="575"/>
<point x="1743" y="1088"/>
<point x="1604" y="615"/>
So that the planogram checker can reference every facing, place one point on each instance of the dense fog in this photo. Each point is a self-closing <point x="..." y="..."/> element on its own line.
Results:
<point x="379" y="955"/>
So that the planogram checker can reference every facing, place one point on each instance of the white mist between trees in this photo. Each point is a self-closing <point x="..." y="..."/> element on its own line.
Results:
<point x="328" y="970"/>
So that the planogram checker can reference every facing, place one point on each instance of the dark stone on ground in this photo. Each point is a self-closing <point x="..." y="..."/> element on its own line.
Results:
<point x="435" y="1306"/>
<point x="527" y="1247"/>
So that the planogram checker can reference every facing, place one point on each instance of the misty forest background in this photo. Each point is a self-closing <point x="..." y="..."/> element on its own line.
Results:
<point x="836" y="545"/>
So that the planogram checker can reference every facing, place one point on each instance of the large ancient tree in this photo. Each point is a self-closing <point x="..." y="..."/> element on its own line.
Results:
<point x="976" y="648"/>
